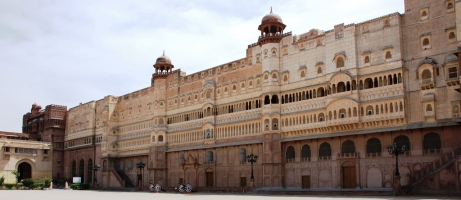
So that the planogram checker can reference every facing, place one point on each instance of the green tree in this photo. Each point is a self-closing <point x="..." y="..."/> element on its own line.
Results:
<point x="17" y="175"/>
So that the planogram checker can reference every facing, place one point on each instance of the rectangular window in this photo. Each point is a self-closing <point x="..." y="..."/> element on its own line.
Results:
<point x="45" y="151"/>
<point x="25" y="150"/>
<point x="452" y="72"/>
<point x="437" y="71"/>
<point x="6" y="149"/>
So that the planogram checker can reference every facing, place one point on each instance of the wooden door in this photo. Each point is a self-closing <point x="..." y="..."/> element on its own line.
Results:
<point x="306" y="182"/>
<point x="209" y="179"/>
<point x="349" y="177"/>
<point x="243" y="181"/>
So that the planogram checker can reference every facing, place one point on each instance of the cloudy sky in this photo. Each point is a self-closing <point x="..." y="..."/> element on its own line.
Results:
<point x="66" y="52"/>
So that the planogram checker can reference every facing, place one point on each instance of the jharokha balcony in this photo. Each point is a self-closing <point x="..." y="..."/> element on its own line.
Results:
<point x="427" y="83"/>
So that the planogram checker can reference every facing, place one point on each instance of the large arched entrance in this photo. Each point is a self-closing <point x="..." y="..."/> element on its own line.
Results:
<point x="25" y="171"/>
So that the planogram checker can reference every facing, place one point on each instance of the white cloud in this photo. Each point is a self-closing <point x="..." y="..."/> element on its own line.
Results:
<point x="67" y="52"/>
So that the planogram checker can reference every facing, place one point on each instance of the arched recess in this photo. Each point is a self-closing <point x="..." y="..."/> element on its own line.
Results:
<point x="325" y="150"/>
<point x="290" y="154"/>
<point x="403" y="140"/>
<point x="338" y="78"/>
<point x="432" y="143"/>
<point x="306" y="152"/>
<point x="374" y="178"/>
<point x="325" y="179"/>
<point x="340" y="59"/>
<point x="348" y="147"/>
<point x="25" y="170"/>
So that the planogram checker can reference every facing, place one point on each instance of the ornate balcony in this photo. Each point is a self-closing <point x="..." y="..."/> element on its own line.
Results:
<point x="427" y="83"/>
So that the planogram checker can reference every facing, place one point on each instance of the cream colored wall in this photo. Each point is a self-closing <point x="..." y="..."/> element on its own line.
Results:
<point x="41" y="163"/>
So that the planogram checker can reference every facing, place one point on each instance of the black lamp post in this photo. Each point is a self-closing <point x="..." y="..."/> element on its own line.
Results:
<point x="140" y="166"/>
<point x="95" y="169"/>
<point x="396" y="150"/>
<point x="252" y="159"/>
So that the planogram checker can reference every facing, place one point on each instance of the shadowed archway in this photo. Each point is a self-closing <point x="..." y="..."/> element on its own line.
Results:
<point x="25" y="171"/>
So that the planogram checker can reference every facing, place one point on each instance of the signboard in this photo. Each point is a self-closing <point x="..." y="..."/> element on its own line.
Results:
<point x="77" y="180"/>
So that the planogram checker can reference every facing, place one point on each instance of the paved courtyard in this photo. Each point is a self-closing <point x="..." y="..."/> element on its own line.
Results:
<point x="113" y="195"/>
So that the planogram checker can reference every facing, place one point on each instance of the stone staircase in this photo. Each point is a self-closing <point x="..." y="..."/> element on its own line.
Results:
<point x="430" y="170"/>
<point x="128" y="183"/>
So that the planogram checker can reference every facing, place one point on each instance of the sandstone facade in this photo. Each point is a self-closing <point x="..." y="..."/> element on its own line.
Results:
<point x="318" y="108"/>
<point x="19" y="153"/>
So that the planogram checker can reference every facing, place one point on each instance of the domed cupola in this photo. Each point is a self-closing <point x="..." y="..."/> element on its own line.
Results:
<point x="271" y="29"/>
<point x="163" y="65"/>
<point x="271" y="23"/>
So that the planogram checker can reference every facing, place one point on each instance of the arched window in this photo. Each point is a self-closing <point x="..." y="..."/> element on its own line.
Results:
<point x="320" y="92"/>
<point x="403" y="140"/>
<point x="374" y="146"/>
<point x="81" y="170"/>
<point x="426" y="74"/>
<point x="429" y="107"/>
<point x="340" y="62"/>
<point x="122" y="165"/>
<point x="369" y="110"/>
<point x="368" y="83"/>
<point x="342" y="113"/>
<point x="367" y="59"/>
<point x="432" y="142"/>
<point x="450" y="5"/>
<point x="319" y="70"/>
<point x="306" y="152"/>
<point x="290" y="155"/>
<point x="388" y="55"/>
<point x="267" y="100"/>
<point x="208" y="94"/>
<point x="275" y="99"/>
<point x="341" y="87"/>
<point x="325" y="150"/>
<point x="130" y="164"/>
<point x="424" y="14"/>
<point x="285" y="78"/>
<point x="243" y="155"/>
<point x="303" y="74"/>
<point x="274" y="76"/>
<point x="275" y="124"/>
<point x="90" y="170"/>
<point x="234" y="88"/>
<point x="425" y="41"/>
<point x="348" y="147"/>
<point x="209" y="156"/>
<point x="181" y="159"/>
<point x="451" y="35"/>
<point x="74" y="168"/>
<point x="160" y="138"/>
<point x="321" y="117"/>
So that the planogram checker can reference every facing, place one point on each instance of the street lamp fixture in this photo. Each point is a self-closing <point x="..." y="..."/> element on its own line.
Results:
<point x="140" y="166"/>
<point x="396" y="150"/>
<point x="252" y="159"/>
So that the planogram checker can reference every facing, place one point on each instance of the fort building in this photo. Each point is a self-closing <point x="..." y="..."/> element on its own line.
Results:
<point x="319" y="109"/>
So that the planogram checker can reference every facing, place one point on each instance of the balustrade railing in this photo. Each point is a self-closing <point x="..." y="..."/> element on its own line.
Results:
<point x="431" y="151"/>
